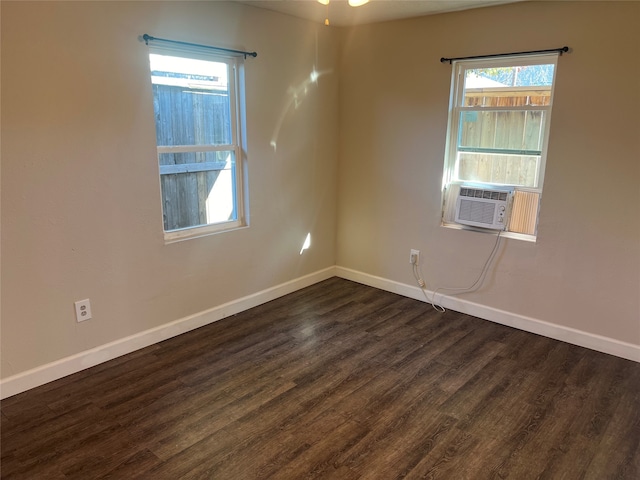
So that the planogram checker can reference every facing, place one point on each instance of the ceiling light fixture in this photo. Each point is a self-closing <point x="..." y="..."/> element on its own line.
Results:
<point x="353" y="3"/>
<point x="326" y="3"/>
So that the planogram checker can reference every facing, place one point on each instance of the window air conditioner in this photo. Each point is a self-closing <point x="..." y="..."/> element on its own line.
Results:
<point x="482" y="207"/>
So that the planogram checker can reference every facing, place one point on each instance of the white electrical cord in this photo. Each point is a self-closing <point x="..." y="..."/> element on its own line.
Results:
<point x="423" y="285"/>
<point x="472" y="288"/>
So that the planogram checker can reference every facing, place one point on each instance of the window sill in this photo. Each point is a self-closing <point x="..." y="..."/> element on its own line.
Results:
<point x="175" y="236"/>
<point x="516" y="236"/>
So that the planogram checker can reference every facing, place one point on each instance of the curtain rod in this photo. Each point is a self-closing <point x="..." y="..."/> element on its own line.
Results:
<point x="148" y="38"/>
<point x="533" y="52"/>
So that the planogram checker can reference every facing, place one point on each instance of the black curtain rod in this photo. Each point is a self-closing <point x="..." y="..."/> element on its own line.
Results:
<point x="559" y="50"/>
<point x="148" y="38"/>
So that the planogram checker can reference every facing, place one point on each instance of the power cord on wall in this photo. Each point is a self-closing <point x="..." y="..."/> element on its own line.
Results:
<point x="417" y="273"/>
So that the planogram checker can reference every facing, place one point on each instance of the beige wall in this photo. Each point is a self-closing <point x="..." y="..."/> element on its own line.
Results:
<point x="80" y="194"/>
<point x="584" y="270"/>
<point x="81" y="215"/>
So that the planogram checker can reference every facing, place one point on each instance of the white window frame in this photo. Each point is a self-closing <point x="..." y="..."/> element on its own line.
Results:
<point x="237" y="146"/>
<point x="450" y="183"/>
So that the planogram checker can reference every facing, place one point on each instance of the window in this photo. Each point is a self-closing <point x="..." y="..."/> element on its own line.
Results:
<point x="198" y="134"/>
<point x="498" y="130"/>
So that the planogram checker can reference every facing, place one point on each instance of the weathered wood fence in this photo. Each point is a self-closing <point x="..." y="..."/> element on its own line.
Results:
<point x="196" y="118"/>
<point x="497" y="146"/>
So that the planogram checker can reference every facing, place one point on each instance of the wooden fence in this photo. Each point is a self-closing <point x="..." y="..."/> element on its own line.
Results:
<point x="188" y="117"/>
<point x="502" y="146"/>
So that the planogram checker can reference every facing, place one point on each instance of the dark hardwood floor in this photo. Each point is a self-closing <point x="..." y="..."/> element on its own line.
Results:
<point x="339" y="381"/>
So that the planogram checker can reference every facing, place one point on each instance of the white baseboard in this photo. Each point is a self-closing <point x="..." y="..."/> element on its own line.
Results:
<point x="61" y="368"/>
<point x="521" y="322"/>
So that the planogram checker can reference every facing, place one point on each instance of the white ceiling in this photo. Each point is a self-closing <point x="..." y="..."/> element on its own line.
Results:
<point x="340" y="14"/>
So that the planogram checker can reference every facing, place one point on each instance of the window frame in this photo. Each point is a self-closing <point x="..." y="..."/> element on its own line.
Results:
<point x="237" y="145"/>
<point x="450" y="180"/>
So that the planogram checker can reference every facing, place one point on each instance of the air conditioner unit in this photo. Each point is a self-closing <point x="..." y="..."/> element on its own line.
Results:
<point x="482" y="207"/>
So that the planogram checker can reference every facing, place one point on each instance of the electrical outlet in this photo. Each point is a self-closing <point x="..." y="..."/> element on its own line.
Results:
<point x="83" y="310"/>
<point x="414" y="257"/>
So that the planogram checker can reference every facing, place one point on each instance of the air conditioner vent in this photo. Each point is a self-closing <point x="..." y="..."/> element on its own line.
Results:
<point x="487" y="194"/>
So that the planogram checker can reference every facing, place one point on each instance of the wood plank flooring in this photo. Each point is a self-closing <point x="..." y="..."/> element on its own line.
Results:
<point x="336" y="381"/>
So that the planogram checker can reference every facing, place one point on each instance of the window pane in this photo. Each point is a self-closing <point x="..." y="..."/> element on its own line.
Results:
<point x="512" y="130"/>
<point x="519" y="170"/>
<point x="517" y="85"/>
<point x="198" y="198"/>
<point x="191" y="101"/>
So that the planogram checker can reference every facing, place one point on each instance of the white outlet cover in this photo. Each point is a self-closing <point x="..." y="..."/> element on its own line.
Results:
<point x="83" y="310"/>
